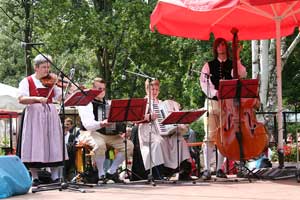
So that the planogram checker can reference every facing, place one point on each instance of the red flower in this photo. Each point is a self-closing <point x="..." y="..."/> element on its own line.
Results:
<point x="287" y="150"/>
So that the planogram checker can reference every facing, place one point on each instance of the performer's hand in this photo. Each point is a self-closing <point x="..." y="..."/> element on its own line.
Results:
<point x="104" y="123"/>
<point x="151" y="117"/>
<point x="41" y="99"/>
<point x="124" y="135"/>
<point x="128" y="131"/>
<point x="154" y="116"/>
<point x="217" y="95"/>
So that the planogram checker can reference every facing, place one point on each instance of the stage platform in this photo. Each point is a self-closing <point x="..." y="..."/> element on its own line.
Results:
<point x="221" y="190"/>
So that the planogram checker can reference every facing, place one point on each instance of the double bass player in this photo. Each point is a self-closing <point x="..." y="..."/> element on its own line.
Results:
<point x="212" y="72"/>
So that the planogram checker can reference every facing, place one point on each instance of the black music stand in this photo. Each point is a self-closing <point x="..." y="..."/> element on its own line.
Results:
<point x="80" y="98"/>
<point x="182" y="117"/>
<point x="126" y="110"/>
<point x="237" y="89"/>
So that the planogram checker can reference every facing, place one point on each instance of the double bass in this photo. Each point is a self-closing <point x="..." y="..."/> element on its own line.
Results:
<point x="240" y="136"/>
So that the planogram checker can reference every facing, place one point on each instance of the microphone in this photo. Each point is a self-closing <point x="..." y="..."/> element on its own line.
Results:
<point x="123" y="76"/>
<point x="190" y="71"/>
<point x="25" y="44"/>
<point x="125" y="64"/>
<point x="72" y="73"/>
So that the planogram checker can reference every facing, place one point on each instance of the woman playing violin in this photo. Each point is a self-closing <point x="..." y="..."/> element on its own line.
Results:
<point x="40" y="144"/>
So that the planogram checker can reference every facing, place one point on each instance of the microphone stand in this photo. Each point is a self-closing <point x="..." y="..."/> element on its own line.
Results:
<point x="207" y="77"/>
<point x="141" y="74"/>
<point x="63" y="184"/>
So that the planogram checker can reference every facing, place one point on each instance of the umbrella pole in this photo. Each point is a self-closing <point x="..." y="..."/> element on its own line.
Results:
<point x="279" y="96"/>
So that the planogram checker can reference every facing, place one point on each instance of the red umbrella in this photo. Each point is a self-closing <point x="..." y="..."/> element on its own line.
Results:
<point x="254" y="19"/>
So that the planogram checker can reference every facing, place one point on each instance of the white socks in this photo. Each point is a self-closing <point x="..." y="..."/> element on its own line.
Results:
<point x="207" y="153"/>
<point x="220" y="160"/>
<point x="55" y="171"/>
<point x="34" y="173"/>
<point x="99" y="163"/>
<point x="116" y="163"/>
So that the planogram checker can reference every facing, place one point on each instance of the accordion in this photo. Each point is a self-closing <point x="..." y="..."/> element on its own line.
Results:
<point x="162" y="110"/>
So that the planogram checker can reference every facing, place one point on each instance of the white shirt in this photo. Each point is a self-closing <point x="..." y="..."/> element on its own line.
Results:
<point x="67" y="135"/>
<point x="87" y="117"/>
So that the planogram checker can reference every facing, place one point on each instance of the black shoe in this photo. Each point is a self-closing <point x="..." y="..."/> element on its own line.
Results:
<point x="114" y="177"/>
<point x="221" y="174"/>
<point x="56" y="180"/>
<point x="36" y="182"/>
<point x="240" y="174"/>
<point x="206" y="175"/>
<point x="102" y="180"/>
<point x="185" y="177"/>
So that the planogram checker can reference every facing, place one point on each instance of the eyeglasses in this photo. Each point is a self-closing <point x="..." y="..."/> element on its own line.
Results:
<point x="102" y="89"/>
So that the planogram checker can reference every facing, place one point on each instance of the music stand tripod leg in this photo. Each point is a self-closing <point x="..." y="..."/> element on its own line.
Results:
<point x="150" y="176"/>
<point x="177" y="143"/>
<point x="126" y="170"/>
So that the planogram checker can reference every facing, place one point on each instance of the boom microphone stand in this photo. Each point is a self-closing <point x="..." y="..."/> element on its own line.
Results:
<point x="207" y="152"/>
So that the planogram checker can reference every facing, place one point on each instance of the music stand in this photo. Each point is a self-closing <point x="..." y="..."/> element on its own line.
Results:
<point x="237" y="89"/>
<point x="182" y="117"/>
<point x="125" y="110"/>
<point x="230" y="89"/>
<point x="79" y="98"/>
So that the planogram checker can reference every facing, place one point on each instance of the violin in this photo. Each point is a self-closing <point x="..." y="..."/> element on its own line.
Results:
<point x="51" y="79"/>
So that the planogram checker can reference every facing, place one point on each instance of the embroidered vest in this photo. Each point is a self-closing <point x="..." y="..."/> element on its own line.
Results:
<point x="219" y="71"/>
<point x="103" y="108"/>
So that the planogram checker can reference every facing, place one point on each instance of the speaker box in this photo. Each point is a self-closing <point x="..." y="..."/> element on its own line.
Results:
<point x="14" y="177"/>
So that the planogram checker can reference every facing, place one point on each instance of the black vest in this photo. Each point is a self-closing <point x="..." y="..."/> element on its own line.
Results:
<point x="217" y="72"/>
<point x="101" y="106"/>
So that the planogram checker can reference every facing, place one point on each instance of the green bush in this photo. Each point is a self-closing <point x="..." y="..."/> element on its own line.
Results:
<point x="290" y="153"/>
<point x="197" y="126"/>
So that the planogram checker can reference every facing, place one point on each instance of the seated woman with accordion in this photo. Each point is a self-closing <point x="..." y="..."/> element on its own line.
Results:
<point x="164" y="153"/>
